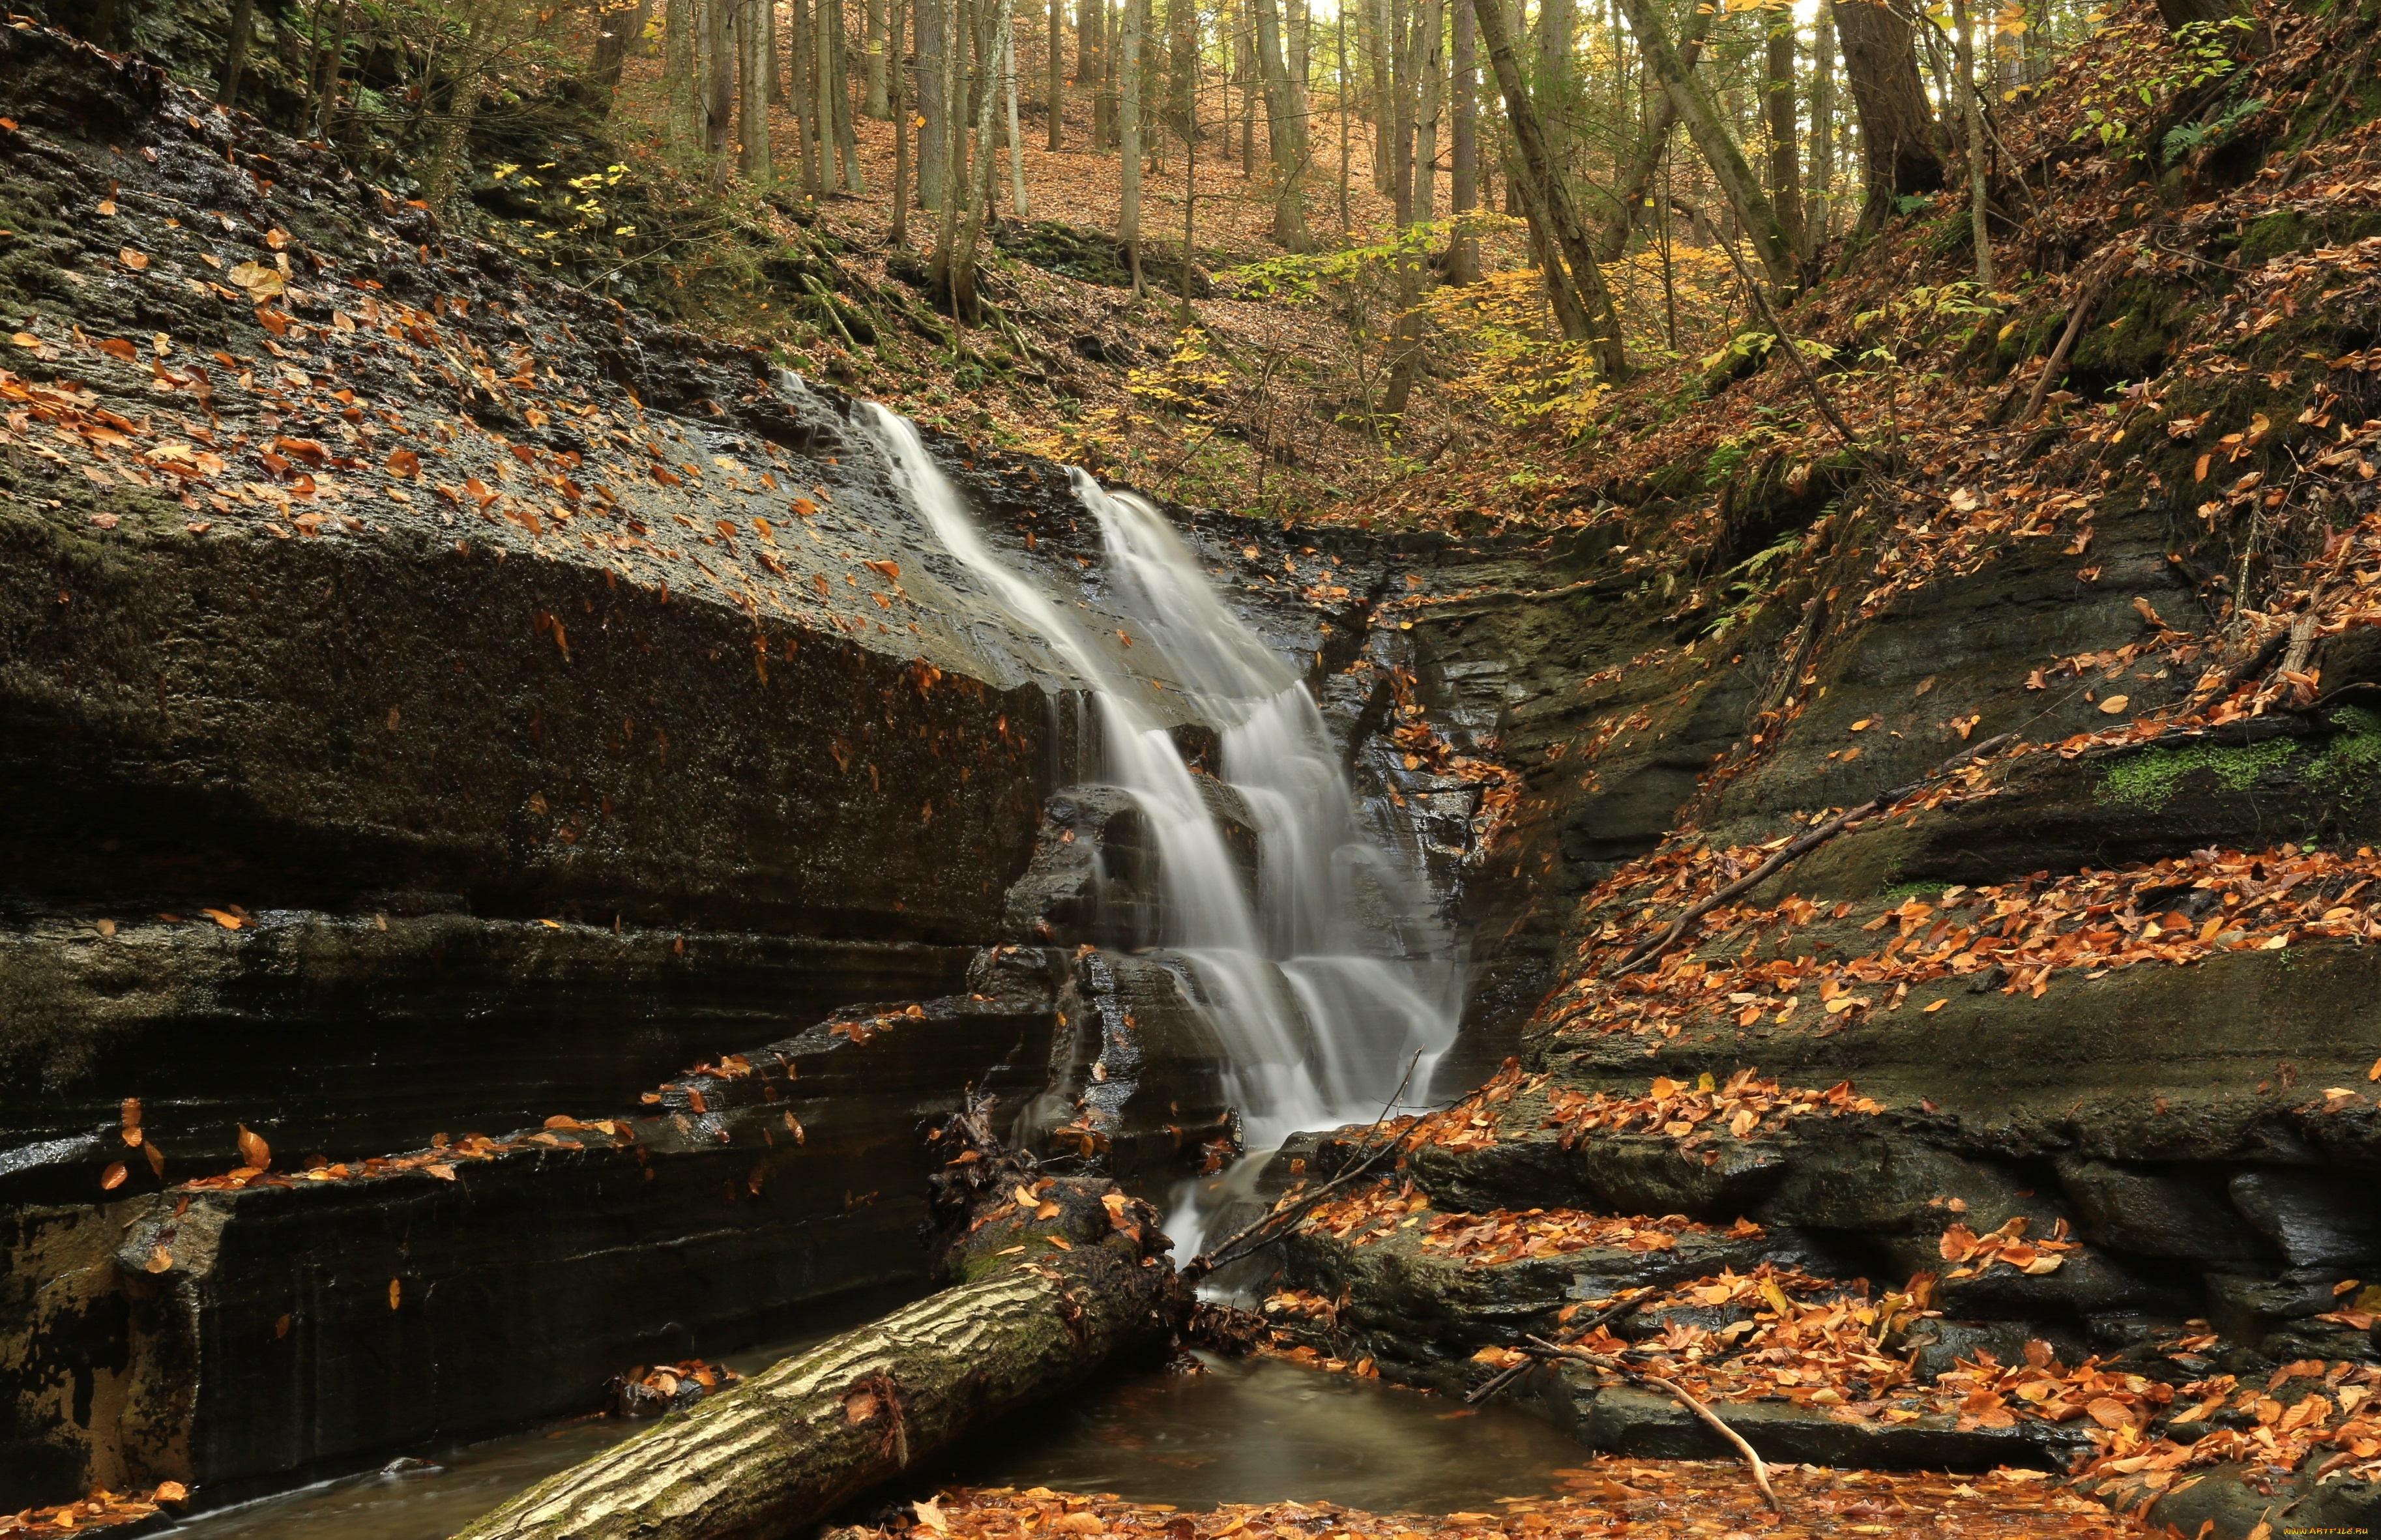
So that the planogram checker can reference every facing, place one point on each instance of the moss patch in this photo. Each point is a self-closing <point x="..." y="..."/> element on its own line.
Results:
<point x="2151" y="779"/>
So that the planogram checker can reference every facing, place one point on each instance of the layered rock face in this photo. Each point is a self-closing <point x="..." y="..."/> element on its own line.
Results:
<point x="536" y="773"/>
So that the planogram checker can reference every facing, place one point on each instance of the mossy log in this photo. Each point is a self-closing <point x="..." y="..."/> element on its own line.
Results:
<point x="1059" y="1278"/>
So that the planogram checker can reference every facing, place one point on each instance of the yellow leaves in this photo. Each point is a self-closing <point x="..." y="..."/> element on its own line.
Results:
<point x="160" y="1260"/>
<point x="396" y="1293"/>
<point x="2115" y="704"/>
<point x="261" y="283"/>
<point x="26" y="339"/>
<point x="227" y="921"/>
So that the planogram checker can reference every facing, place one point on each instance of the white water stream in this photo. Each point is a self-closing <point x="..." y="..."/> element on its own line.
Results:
<point x="1313" y="992"/>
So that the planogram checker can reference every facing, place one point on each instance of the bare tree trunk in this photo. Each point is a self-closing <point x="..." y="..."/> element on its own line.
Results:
<point x="1111" y="25"/>
<point x="755" y="40"/>
<point x="1555" y="95"/>
<point x="243" y="22"/>
<point x="1381" y="44"/>
<point x="943" y="268"/>
<point x="1463" y="190"/>
<point x="1347" y="137"/>
<point x="1654" y="145"/>
<point x="855" y="175"/>
<point x="719" y="87"/>
<point x="933" y="139"/>
<point x="1016" y="144"/>
<point x="1898" y="143"/>
<point x="1283" y="134"/>
<point x="1974" y="110"/>
<point x="1742" y="189"/>
<point x="620" y="24"/>
<point x="1088" y="14"/>
<point x="1784" y="158"/>
<point x="1429" y="19"/>
<point x="1058" y="74"/>
<point x="1560" y="296"/>
<point x="900" y="87"/>
<point x="880" y="106"/>
<point x="1821" y="204"/>
<point x="818" y="153"/>
<point x="1549" y="197"/>
<point x="964" y="305"/>
<point x="1129" y="204"/>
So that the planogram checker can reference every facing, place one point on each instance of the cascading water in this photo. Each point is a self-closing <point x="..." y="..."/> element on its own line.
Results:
<point x="1316" y="992"/>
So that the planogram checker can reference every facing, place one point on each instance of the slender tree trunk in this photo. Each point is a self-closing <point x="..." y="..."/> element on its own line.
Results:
<point x="1898" y="144"/>
<point x="1016" y="143"/>
<point x="1738" y="184"/>
<point x="1282" y="135"/>
<point x="952" y="194"/>
<point x="1974" y="109"/>
<point x="898" y="86"/>
<point x="1820" y="207"/>
<point x="826" y="49"/>
<point x="1057" y="98"/>
<point x="1549" y="197"/>
<point x="1430" y="17"/>
<point x="1653" y="145"/>
<point x="1347" y="137"/>
<point x="1401" y="106"/>
<point x="880" y="104"/>
<point x="933" y="139"/>
<point x="1112" y="24"/>
<point x="720" y="86"/>
<point x="1129" y="204"/>
<point x="1088" y="14"/>
<point x="964" y="304"/>
<point x="1785" y="156"/>
<point x="1554" y="94"/>
<point x="243" y="22"/>
<point x="680" y="89"/>
<point x="1463" y="190"/>
<point x="755" y="42"/>
<point x="855" y="175"/>
<point x="1520" y="190"/>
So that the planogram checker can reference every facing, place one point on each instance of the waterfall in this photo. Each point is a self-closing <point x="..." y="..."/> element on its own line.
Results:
<point x="1313" y="991"/>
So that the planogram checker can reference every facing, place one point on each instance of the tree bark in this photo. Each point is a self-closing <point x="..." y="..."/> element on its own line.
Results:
<point x="1058" y="74"/>
<point x="1381" y="44"/>
<point x="1973" y="111"/>
<point x="1639" y="180"/>
<point x="1431" y="69"/>
<point x="779" y="1452"/>
<point x="1129" y="202"/>
<point x="1550" y="200"/>
<point x="1898" y="145"/>
<point x="719" y="87"/>
<point x="621" y="25"/>
<point x="1784" y="159"/>
<point x="879" y="103"/>
<point x="243" y="22"/>
<point x="1284" y="135"/>
<point x="1089" y="15"/>
<point x="756" y="40"/>
<point x="1016" y="141"/>
<point x="899" y="87"/>
<point x="1750" y="206"/>
<point x="1463" y="150"/>
<point x="680" y="86"/>
<point x="1819" y="207"/>
<point x="933" y="137"/>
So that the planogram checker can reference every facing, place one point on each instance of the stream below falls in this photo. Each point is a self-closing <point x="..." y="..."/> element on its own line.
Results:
<point x="1258" y="1430"/>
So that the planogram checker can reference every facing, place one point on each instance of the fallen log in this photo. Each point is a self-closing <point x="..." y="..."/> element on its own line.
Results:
<point x="1058" y="1276"/>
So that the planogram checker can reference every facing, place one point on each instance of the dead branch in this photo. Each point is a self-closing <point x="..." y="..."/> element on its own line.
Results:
<point x="1542" y="1348"/>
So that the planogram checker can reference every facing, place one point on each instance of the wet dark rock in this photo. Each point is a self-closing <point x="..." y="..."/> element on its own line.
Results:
<point x="2150" y="1213"/>
<point x="2316" y="1218"/>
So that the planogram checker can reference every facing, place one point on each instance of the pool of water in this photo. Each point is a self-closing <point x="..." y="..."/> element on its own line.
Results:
<point x="1259" y="1430"/>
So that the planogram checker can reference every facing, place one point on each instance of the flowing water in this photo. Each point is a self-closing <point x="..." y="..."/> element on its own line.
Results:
<point x="1328" y="995"/>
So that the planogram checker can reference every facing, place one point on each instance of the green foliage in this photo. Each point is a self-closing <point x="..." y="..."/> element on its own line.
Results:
<point x="2198" y="51"/>
<point x="2184" y="138"/>
<point x="2352" y="762"/>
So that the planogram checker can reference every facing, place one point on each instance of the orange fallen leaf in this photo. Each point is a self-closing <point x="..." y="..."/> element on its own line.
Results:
<point x="114" y="1177"/>
<point x="254" y="1150"/>
<point x="132" y="259"/>
<point x="227" y="921"/>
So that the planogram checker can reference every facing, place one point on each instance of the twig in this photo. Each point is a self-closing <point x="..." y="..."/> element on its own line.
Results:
<point x="1793" y="350"/>
<point x="2086" y="300"/>
<point x="1504" y="1378"/>
<point x="1646" y="951"/>
<point x="1678" y="1393"/>
<point x="1252" y="1237"/>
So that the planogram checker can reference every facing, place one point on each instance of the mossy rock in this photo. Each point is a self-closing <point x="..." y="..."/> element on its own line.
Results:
<point x="2133" y="333"/>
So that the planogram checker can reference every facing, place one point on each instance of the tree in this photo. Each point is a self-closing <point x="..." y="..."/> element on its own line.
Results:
<point x="933" y="27"/>
<point x="756" y="39"/>
<point x="1285" y="133"/>
<point x="1637" y="182"/>
<point x="619" y="24"/>
<point x="1058" y="74"/>
<point x="1820" y="206"/>
<point x="243" y="23"/>
<point x="1898" y="145"/>
<point x="878" y="105"/>
<point x="1750" y="206"/>
<point x="1784" y="163"/>
<point x="1965" y="53"/>
<point x="1129" y="204"/>
<point x="1550" y="200"/>
<point x="718" y="85"/>
<point x="1463" y="189"/>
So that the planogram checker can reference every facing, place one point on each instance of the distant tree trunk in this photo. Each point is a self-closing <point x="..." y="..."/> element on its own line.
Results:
<point x="1088" y="14"/>
<point x="1016" y="143"/>
<point x="1898" y="144"/>
<point x="1283" y="134"/>
<point x="1561" y="298"/>
<point x="1974" y="110"/>
<point x="1550" y="197"/>
<point x="803" y="61"/>
<point x="1381" y="47"/>
<point x="1128" y="202"/>
<point x="1058" y="74"/>
<point x="1181" y="64"/>
<point x="1463" y="190"/>
<point x="1557" y="27"/>
<point x="621" y="24"/>
<point x="1637" y="182"/>
<point x="964" y="304"/>
<point x="899" y="85"/>
<point x="680" y="92"/>
<point x="1820" y="207"/>
<point x="720" y="83"/>
<point x="756" y="40"/>
<point x="1347" y="137"/>
<point x="1428" y="51"/>
<point x="243" y="22"/>
<point x="952" y="194"/>
<point x="855" y="175"/>
<point x="1742" y="188"/>
<point x="933" y="139"/>
<point x="1110" y="23"/>
<point x="879" y="104"/>
<point x="1784" y="158"/>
